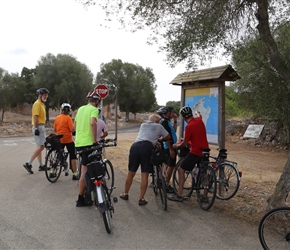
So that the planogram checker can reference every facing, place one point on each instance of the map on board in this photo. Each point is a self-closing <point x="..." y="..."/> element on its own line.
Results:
<point x="205" y="100"/>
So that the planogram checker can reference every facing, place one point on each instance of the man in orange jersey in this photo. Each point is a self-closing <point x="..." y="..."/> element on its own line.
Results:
<point x="63" y="125"/>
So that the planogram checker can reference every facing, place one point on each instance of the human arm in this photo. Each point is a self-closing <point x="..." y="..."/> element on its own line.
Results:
<point x="93" y="123"/>
<point x="35" y="122"/>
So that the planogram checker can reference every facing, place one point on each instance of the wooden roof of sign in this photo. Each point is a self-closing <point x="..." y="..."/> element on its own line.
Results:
<point x="218" y="74"/>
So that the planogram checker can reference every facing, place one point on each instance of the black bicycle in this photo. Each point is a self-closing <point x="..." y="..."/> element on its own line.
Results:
<point x="227" y="175"/>
<point x="96" y="181"/>
<point x="274" y="229"/>
<point x="55" y="159"/>
<point x="202" y="179"/>
<point x="109" y="169"/>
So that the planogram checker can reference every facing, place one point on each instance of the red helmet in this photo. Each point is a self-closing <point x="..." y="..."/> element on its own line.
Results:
<point x="93" y="95"/>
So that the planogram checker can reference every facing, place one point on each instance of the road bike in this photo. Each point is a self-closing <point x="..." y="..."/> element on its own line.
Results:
<point x="274" y="229"/>
<point x="227" y="175"/>
<point x="202" y="179"/>
<point x="55" y="159"/>
<point x="109" y="169"/>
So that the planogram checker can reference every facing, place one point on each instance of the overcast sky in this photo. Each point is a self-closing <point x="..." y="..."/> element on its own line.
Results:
<point x="32" y="28"/>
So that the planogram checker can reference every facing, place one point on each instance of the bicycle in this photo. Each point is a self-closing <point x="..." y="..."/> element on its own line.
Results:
<point x="109" y="169"/>
<point x="227" y="175"/>
<point x="55" y="159"/>
<point x="274" y="229"/>
<point x="202" y="179"/>
<point x="96" y="182"/>
<point x="158" y="176"/>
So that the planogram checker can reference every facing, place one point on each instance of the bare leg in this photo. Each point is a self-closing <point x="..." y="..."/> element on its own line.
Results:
<point x="74" y="165"/>
<point x="37" y="153"/>
<point x="143" y="185"/>
<point x="129" y="181"/>
<point x="82" y="184"/>
<point x="169" y="171"/>
<point x="181" y="180"/>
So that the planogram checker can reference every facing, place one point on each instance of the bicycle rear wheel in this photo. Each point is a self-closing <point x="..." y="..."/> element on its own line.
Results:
<point x="206" y="187"/>
<point x="106" y="208"/>
<point x="109" y="175"/>
<point x="274" y="229"/>
<point x="161" y="184"/>
<point x="187" y="187"/>
<point x="228" y="181"/>
<point x="53" y="167"/>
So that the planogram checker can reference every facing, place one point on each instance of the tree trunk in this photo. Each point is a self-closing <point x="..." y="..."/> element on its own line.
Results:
<point x="283" y="186"/>
<point x="127" y="115"/>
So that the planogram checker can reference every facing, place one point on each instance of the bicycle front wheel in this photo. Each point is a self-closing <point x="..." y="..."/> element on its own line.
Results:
<point x="53" y="166"/>
<point x="161" y="184"/>
<point x="228" y="181"/>
<point x="206" y="187"/>
<point x="187" y="187"/>
<point x="109" y="175"/>
<point x="274" y="229"/>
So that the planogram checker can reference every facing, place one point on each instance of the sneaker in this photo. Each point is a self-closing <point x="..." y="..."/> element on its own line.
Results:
<point x="82" y="203"/>
<point x="52" y="174"/>
<point x="88" y="198"/>
<point x="176" y="197"/>
<point x="41" y="168"/>
<point x="142" y="202"/>
<point x="75" y="177"/>
<point x="124" y="196"/>
<point x="170" y="189"/>
<point x="28" y="167"/>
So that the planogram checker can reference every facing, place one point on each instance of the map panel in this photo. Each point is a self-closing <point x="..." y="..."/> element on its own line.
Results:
<point x="205" y="100"/>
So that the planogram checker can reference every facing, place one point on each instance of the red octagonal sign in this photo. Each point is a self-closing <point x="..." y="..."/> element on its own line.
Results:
<point x="102" y="90"/>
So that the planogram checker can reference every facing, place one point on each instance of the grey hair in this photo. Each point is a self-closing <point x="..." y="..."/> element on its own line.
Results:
<point x="154" y="118"/>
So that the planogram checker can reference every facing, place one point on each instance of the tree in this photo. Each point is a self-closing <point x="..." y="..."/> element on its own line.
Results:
<point x="131" y="86"/>
<point x="67" y="79"/>
<point x="254" y="91"/>
<point x="11" y="91"/>
<point x="194" y="30"/>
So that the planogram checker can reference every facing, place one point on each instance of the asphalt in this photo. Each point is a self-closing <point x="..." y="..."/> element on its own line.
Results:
<point x="36" y="214"/>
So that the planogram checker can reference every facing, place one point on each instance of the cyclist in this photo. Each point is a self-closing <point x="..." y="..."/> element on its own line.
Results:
<point x="86" y="135"/>
<point x="38" y="128"/>
<point x="165" y="113"/>
<point x="140" y="153"/>
<point x="102" y="130"/>
<point x="195" y="135"/>
<point x="64" y="125"/>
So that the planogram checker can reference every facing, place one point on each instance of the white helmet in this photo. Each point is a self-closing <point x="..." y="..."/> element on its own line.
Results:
<point x="65" y="107"/>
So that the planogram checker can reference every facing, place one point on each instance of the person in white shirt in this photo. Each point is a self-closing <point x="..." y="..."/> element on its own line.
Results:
<point x="102" y="130"/>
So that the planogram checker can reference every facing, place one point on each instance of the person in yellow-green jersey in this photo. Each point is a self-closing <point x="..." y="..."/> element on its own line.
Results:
<point x="38" y="129"/>
<point x="86" y="136"/>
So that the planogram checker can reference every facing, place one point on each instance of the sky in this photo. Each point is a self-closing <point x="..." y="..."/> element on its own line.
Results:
<point x="32" y="28"/>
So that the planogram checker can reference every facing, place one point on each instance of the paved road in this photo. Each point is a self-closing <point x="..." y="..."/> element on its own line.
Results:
<point x="35" y="214"/>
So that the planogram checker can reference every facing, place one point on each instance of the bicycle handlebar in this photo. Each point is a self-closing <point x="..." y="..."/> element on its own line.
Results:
<point x="102" y="144"/>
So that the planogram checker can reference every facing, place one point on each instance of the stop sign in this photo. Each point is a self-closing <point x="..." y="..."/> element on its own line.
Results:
<point x="102" y="90"/>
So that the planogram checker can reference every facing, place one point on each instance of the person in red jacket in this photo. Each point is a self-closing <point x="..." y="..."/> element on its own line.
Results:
<point x="195" y="135"/>
<point x="63" y="125"/>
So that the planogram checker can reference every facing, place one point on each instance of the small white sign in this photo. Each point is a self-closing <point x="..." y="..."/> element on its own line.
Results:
<point x="253" y="131"/>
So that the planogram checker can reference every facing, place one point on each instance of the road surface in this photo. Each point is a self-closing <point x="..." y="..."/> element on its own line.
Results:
<point x="36" y="214"/>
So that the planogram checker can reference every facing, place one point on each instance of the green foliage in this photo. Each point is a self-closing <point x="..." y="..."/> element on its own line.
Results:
<point x="175" y="105"/>
<point x="261" y="89"/>
<point x="133" y="85"/>
<point x="67" y="79"/>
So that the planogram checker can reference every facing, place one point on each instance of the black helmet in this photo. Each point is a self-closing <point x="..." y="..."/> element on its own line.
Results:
<point x="42" y="91"/>
<point x="93" y="95"/>
<point x="162" y="111"/>
<point x="65" y="107"/>
<point x="170" y="109"/>
<point x="186" y="112"/>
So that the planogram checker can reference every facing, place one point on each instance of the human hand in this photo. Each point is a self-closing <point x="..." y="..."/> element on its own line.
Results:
<point x="73" y="133"/>
<point x="36" y="132"/>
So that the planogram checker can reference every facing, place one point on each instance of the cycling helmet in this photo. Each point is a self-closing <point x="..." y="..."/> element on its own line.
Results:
<point x="170" y="109"/>
<point x="162" y="111"/>
<point x="65" y="107"/>
<point x="186" y="112"/>
<point x="93" y="95"/>
<point x="42" y="91"/>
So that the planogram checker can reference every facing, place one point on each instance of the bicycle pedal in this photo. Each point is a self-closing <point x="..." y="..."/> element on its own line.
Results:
<point x="66" y="174"/>
<point x="115" y="199"/>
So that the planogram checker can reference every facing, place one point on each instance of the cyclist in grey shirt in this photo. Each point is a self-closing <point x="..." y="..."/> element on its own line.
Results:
<point x="140" y="153"/>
